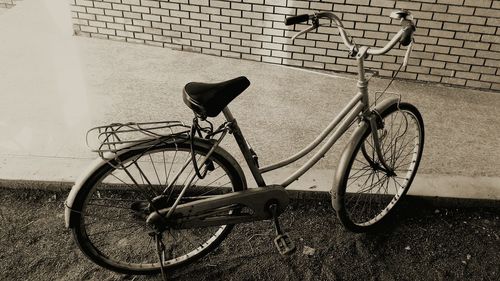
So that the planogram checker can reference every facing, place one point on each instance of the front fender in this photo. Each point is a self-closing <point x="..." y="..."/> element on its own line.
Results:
<point x="351" y="146"/>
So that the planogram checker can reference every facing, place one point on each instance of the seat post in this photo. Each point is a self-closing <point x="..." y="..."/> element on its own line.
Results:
<point x="244" y="148"/>
<point x="228" y="114"/>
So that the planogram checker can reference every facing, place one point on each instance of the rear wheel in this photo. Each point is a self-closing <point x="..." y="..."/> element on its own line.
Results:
<point x="366" y="193"/>
<point x="114" y="203"/>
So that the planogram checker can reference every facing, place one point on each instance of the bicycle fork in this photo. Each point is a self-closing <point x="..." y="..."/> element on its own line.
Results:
<point x="372" y="116"/>
<point x="375" y="121"/>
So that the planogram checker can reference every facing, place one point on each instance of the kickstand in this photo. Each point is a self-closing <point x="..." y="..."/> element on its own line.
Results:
<point x="160" y="247"/>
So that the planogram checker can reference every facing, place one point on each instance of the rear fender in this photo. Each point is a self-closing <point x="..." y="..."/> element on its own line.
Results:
<point x="88" y="172"/>
<point x="71" y="216"/>
<point x="75" y="189"/>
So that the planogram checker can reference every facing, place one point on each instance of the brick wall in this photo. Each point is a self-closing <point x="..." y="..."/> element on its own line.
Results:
<point x="458" y="41"/>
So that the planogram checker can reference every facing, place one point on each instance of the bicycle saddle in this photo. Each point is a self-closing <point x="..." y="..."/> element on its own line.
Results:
<point x="208" y="100"/>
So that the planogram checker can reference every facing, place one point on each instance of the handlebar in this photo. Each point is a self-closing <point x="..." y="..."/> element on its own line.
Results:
<point x="404" y="36"/>
<point x="296" y="19"/>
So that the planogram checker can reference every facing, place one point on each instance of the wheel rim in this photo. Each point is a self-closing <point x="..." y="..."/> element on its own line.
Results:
<point x="370" y="192"/>
<point x="116" y="233"/>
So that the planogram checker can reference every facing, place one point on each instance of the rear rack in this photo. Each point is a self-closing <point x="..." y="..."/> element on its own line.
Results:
<point x="116" y="137"/>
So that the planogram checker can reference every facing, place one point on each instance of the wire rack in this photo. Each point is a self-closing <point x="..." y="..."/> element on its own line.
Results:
<point x="119" y="136"/>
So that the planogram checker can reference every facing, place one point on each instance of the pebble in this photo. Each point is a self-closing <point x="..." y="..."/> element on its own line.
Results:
<point x="308" y="251"/>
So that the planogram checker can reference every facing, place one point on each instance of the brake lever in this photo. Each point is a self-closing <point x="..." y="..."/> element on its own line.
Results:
<point x="315" y="24"/>
<point x="408" y="53"/>
<point x="304" y="31"/>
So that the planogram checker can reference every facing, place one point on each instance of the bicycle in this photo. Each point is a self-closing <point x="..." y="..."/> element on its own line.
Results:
<point x="163" y="194"/>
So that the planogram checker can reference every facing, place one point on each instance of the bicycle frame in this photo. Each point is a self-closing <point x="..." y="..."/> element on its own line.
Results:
<point x="358" y="106"/>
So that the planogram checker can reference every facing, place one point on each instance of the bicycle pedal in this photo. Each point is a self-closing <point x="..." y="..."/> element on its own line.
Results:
<point x="284" y="244"/>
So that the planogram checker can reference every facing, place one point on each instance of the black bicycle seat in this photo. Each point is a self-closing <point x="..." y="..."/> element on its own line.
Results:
<point x="209" y="99"/>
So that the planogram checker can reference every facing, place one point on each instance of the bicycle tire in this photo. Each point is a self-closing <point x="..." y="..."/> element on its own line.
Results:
<point x="109" y="255"/>
<point x="363" y="208"/>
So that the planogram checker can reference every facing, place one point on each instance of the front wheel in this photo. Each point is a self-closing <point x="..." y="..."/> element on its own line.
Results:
<point x="115" y="201"/>
<point x="366" y="193"/>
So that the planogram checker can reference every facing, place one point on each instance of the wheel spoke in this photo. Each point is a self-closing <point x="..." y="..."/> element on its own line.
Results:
<point x="156" y="172"/>
<point x="356" y="178"/>
<point x="113" y="218"/>
<point x="113" y="229"/>
<point x="370" y="191"/>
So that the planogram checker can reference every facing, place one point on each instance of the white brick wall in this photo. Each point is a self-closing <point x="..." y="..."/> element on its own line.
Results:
<point x="458" y="41"/>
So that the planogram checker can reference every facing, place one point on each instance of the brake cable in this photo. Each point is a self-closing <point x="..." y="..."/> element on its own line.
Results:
<point x="404" y="64"/>
<point x="197" y="129"/>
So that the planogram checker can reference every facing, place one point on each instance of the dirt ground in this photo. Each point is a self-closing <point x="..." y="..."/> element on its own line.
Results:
<point x="424" y="243"/>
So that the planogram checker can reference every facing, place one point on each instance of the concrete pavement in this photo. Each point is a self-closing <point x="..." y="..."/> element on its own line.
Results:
<point x="55" y="86"/>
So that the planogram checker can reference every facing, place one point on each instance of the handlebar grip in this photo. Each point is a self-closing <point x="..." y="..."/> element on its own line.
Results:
<point x="407" y="35"/>
<point x="296" y="19"/>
